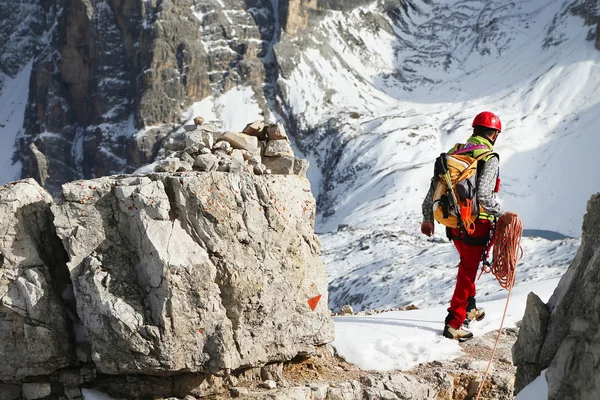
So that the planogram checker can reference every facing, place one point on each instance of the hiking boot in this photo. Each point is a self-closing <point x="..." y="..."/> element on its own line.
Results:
<point x="475" y="314"/>
<point x="459" y="334"/>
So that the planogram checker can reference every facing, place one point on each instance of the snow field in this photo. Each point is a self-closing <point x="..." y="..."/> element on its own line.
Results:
<point x="400" y="340"/>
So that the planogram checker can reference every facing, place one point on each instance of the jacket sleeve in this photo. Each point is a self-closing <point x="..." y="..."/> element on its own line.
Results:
<point x="486" y="182"/>
<point x="427" y="206"/>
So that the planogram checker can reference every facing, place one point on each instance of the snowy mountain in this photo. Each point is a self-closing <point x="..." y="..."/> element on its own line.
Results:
<point x="377" y="94"/>
<point x="372" y="92"/>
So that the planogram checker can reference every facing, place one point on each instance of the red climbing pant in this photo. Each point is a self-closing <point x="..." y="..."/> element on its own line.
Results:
<point x="470" y="257"/>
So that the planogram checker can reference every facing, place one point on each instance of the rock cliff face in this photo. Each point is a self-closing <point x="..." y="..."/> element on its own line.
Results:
<point x="185" y="276"/>
<point x="105" y="69"/>
<point x="36" y="335"/>
<point x="199" y="272"/>
<point x="112" y="78"/>
<point x="562" y="336"/>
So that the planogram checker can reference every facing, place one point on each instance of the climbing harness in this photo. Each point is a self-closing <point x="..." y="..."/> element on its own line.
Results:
<point x="506" y="240"/>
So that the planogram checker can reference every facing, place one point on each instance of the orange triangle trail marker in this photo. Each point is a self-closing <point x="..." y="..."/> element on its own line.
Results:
<point x="313" y="301"/>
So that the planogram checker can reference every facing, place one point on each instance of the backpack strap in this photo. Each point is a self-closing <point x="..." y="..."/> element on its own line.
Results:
<point x="476" y="161"/>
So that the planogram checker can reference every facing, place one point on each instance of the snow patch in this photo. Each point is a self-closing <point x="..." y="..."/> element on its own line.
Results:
<point x="403" y="339"/>
<point x="536" y="390"/>
<point x="13" y="100"/>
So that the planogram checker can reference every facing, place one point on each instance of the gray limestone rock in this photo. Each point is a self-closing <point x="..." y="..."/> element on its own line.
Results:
<point x="10" y="392"/>
<point x="376" y="394"/>
<point x="345" y="391"/>
<point x="70" y="377"/>
<point x="186" y="160"/>
<point x="194" y="142"/>
<point x="194" y="271"/>
<point x="283" y="165"/>
<point x="293" y="393"/>
<point x="206" y="162"/>
<point x="273" y="372"/>
<point x="259" y="169"/>
<point x="276" y="132"/>
<point x="526" y="350"/>
<point x="198" y="139"/>
<point x="572" y="341"/>
<point x="73" y="393"/>
<point x="276" y="148"/>
<point x="255" y="128"/>
<point x="407" y="388"/>
<point x="171" y="164"/>
<point x="319" y="391"/>
<point x="237" y="156"/>
<point x="239" y="391"/>
<point x="240" y="141"/>
<point x="33" y="321"/>
<point x="34" y="391"/>
<point x="301" y="167"/>
<point x="224" y="146"/>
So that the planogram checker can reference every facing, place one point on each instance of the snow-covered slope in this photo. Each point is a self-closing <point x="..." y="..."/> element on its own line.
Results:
<point x="403" y="339"/>
<point x="377" y="103"/>
<point x="378" y="269"/>
<point x="378" y="93"/>
<point x="374" y="94"/>
<point x="13" y="99"/>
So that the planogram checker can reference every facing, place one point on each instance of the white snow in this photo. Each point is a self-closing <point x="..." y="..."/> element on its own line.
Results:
<point x="418" y="89"/>
<point x="234" y="109"/>
<point x="403" y="339"/>
<point x="13" y="100"/>
<point x="384" y="103"/>
<point x="378" y="269"/>
<point x="536" y="390"/>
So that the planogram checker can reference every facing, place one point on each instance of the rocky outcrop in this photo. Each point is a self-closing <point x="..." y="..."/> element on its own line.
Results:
<point x="260" y="149"/>
<point x="589" y="10"/>
<point x="21" y="32"/>
<point x="526" y="351"/>
<point x="161" y="284"/>
<point x="198" y="272"/>
<point x="570" y="344"/>
<point x="296" y="14"/>
<point x="106" y="69"/>
<point x="34" y="327"/>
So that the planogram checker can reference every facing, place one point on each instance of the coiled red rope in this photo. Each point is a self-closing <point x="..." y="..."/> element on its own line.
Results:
<point x="507" y="252"/>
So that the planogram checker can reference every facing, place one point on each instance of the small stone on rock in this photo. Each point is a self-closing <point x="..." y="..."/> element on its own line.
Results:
<point x="277" y="148"/>
<point x="269" y="384"/>
<point x="276" y="132"/>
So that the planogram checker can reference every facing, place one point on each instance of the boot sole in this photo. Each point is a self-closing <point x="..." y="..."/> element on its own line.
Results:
<point x="448" y="335"/>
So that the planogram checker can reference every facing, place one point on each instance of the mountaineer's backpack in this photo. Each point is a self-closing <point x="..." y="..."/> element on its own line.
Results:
<point x="458" y="208"/>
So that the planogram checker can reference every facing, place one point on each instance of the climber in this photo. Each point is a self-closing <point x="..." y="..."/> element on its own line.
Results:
<point x="470" y="243"/>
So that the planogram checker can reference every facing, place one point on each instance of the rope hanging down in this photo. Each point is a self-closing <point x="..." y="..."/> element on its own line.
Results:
<point x="507" y="252"/>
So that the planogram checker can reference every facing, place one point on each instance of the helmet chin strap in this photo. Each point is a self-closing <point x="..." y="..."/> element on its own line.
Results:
<point x="493" y="137"/>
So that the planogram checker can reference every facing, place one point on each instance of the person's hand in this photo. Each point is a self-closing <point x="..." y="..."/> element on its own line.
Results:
<point x="427" y="228"/>
<point x="508" y="217"/>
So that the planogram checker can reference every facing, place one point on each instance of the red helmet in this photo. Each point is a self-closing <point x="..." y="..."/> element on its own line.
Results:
<point x="487" y="119"/>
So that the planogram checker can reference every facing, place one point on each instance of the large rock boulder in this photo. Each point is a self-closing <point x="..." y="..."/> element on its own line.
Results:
<point x="196" y="272"/>
<point x="34" y="331"/>
<point x="526" y="350"/>
<point x="570" y="346"/>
